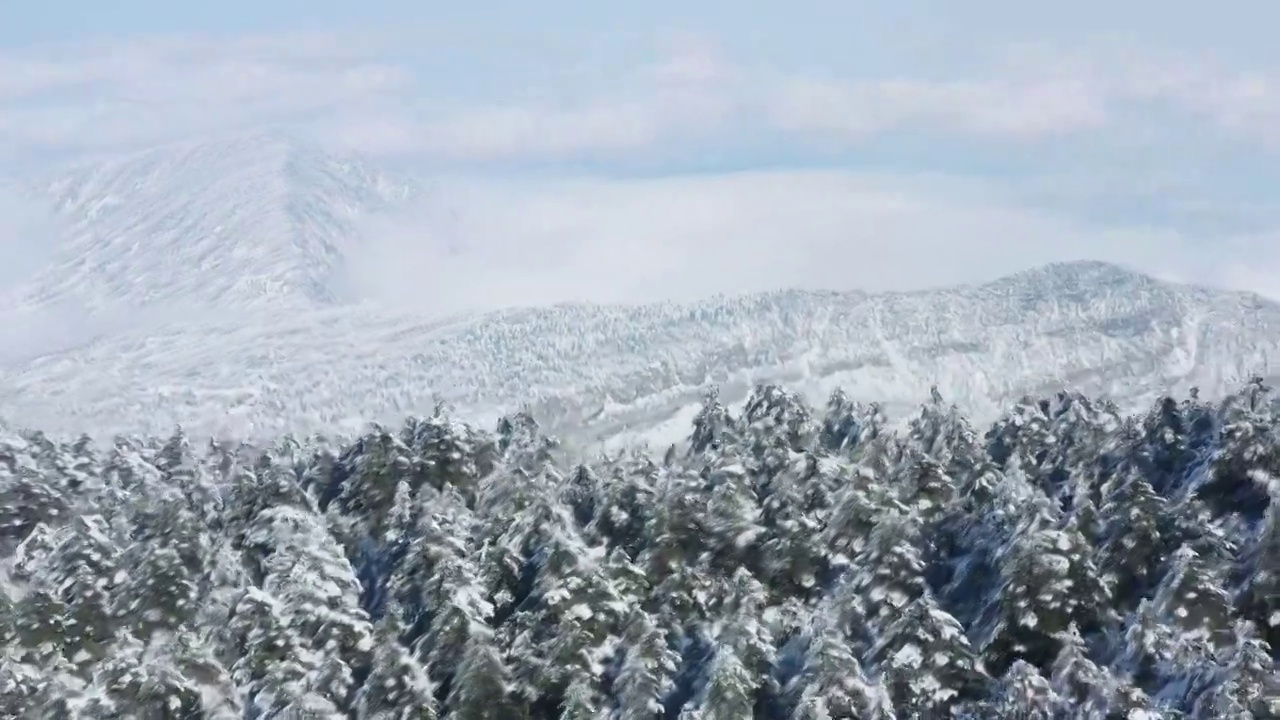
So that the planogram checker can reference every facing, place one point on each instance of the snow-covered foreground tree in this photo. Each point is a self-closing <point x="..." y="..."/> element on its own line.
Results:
<point x="789" y="562"/>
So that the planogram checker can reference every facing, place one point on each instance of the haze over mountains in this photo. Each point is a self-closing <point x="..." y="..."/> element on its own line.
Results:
<point x="213" y="279"/>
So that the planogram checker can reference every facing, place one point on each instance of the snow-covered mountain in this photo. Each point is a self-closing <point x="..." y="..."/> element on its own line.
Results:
<point x="245" y="237"/>
<point x="254" y="220"/>
<point x="1083" y="325"/>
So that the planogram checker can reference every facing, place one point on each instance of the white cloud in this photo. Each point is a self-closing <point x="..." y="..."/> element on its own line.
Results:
<point x="856" y="110"/>
<point x="696" y="93"/>
<point x="1034" y="93"/>
<point x="362" y="92"/>
<point x="497" y="244"/>
<point x="154" y="90"/>
<point x="28" y="233"/>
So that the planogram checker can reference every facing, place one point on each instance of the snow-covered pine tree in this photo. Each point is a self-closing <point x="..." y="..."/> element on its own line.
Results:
<point x="1081" y="687"/>
<point x="888" y="574"/>
<point x="1244" y="682"/>
<point x="1022" y="693"/>
<point x="926" y="660"/>
<point x="1136" y="542"/>
<point x="72" y="590"/>
<point x="311" y="604"/>
<point x="793" y="556"/>
<point x="774" y="425"/>
<point x="1248" y="449"/>
<point x="27" y="497"/>
<point x="732" y="522"/>
<point x="713" y="427"/>
<point x="646" y="675"/>
<point x="1193" y="598"/>
<point x="942" y="434"/>
<point x="454" y="604"/>
<point x="676" y="538"/>
<point x="481" y="684"/>
<point x="863" y="499"/>
<point x="847" y="425"/>
<point x="1258" y="598"/>
<point x="374" y="471"/>
<point x="169" y="676"/>
<point x="448" y="454"/>
<point x="397" y="686"/>
<point x="831" y="682"/>
<point x="1048" y="582"/>
<point x="627" y="504"/>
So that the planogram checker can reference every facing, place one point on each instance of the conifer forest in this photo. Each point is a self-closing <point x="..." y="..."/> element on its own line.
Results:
<point x="786" y="562"/>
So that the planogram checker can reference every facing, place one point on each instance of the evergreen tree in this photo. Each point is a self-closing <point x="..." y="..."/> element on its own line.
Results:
<point x="480" y="688"/>
<point x="792" y="554"/>
<point x="888" y="575"/>
<point x="74" y="585"/>
<point x="713" y="427"/>
<point x="1259" y="595"/>
<point x="1192" y="598"/>
<point x="627" y="505"/>
<point x="312" y="607"/>
<point x="1022" y="694"/>
<point x="647" y="672"/>
<point x="1135" y="537"/>
<point x="1072" y="564"/>
<point x="729" y="691"/>
<point x="397" y="686"/>
<point x="1048" y="582"/>
<point x="1244" y="683"/>
<point x="831" y="682"/>
<point x="927" y="661"/>
<point x="944" y="436"/>
<point x="1080" y="686"/>
<point x="733" y="516"/>
<point x="856" y="511"/>
<point x="677" y="536"/>
<point x="1248" y="450"/>
<point x="848" y="425"/>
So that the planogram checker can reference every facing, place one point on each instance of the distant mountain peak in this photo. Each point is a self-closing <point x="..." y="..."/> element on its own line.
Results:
<point x="1092" y="273"/>
<point x="252" y="219"/>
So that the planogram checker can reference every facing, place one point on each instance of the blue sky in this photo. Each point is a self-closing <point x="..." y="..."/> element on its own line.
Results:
<point x="1110" y="123"/>
<point x="1232" y="24"/>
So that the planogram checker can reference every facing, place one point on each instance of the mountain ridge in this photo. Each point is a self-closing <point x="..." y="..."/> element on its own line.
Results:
<point x="632" y="368"/>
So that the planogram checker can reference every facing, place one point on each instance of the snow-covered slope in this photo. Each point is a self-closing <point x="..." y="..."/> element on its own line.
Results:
<point x="252" y="220"/>
<point x="212" y="269"/>
<point x="1090" y="326"/>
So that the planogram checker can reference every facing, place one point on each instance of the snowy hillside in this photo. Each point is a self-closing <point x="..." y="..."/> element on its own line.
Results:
<point x="253" y="220"/>
<point x="211" y="271"/>
<point x="1088" y="326"/>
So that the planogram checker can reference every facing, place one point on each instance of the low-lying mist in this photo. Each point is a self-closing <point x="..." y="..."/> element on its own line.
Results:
<point x="489" y="245"/>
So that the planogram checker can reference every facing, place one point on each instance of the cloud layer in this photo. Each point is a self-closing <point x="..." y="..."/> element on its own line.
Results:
<point x="492" y="244"/>
<point x="370" y="94"/>
<point x="28" y="234"/>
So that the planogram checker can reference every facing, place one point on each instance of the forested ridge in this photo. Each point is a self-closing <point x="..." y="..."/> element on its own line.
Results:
<point x="788" y="561"/>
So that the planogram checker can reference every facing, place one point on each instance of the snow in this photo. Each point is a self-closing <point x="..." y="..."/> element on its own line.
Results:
<point x="225" y="258"/>
<point x="255" y="219"/>
<point x="908" y="656"/>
